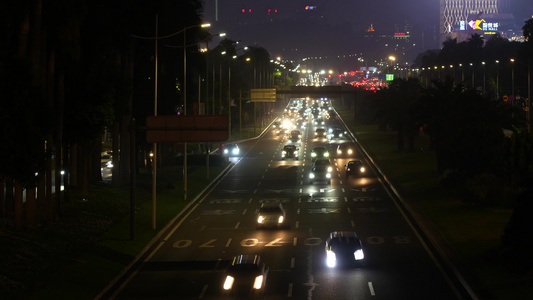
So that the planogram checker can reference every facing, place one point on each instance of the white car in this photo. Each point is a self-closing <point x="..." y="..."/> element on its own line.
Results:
<point x="344" y="248"/>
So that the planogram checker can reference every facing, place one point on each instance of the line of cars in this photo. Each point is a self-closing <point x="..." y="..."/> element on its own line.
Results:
<point x="247" y="274"/>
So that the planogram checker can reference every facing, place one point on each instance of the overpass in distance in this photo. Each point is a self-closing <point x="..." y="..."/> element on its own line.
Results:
<point x="339" y="92"/>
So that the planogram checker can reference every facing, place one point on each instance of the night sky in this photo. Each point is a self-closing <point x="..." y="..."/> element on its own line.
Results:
<point x="341" y="22"/>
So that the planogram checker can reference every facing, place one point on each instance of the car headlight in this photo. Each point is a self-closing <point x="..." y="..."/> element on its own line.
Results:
<point x="260" y="219"/>
<point x="296" y="153"/>
<point x="225" y="151"/>
<point x="330" y="169"/>
<point x="339" y="151"/>
<point x="358" y="254"/>
<point x="258" y="282"/>
<point x="362" y="169"/>
<point x="331" y="258"/>
<point x="280" y="219"/>
<point x="311" y="175"/>
<point x="328" y="175"/>
<point x="228" y="283"/>
<point x="313" y="154"/>
<point x="235" y="151"/>
<point x="283" y="153"/>
<point x="350" y="151"/>
<point x="326" y="154"/>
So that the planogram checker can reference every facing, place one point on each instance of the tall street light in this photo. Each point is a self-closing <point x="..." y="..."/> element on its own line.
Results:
<point x="512" y="77"/>
<point x="497" y="79"/>
<point x="185" y="99"/>
<point x="483" y="63"/>
<point x="473" y="82"/>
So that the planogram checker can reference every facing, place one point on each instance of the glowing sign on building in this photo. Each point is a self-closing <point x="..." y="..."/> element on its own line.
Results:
<point x="479" y="24"/>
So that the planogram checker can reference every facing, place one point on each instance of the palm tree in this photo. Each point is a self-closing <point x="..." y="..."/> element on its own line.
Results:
<point x="527" y="29"/>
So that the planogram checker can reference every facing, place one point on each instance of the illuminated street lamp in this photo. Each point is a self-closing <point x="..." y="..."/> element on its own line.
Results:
<point x="483" y="63"/>
<point x="512" y="77"/>
<point x="497" y="79"/>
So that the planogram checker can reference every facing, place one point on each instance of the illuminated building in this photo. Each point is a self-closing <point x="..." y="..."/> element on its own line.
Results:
<point x="462" y="18"/>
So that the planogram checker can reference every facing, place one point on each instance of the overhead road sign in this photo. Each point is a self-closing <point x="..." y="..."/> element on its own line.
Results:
<point x="263" y="95"/>
<point x="182" y="129"/>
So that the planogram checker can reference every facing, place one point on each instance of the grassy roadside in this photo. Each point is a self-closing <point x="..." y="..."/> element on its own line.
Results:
<point x="83" y="276"/>
<point x="473" y="231"/>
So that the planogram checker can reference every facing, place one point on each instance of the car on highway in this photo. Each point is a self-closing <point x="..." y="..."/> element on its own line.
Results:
<point x="345" y="149"/>
<point x="319" y="152"/>
<point x="354" y="167"/>
<point x="344" y="248"/>
<point x="290" y="151"/>
<point x="280" y="131"/>
<point x="231" y="149"/>
<point x="320" y="133"/>
<point x="337" y="134"/>
<point x="271" y="214"/>
<point x="295" y="136"/>
<point x="324" y="162"/>
<point x="319" y="121"/>
<point x="320" y="174"/>
<point x="245" y="277"/>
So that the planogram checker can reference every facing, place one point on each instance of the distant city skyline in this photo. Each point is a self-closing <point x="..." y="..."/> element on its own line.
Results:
<point x="300" y="28"/>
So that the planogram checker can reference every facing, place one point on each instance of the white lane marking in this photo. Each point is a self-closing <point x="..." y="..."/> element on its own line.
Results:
<point x="203" y="292"/>
<point x="349" y="210"/>
<point x="298" y="211"/>
<point x="297" y="224"/>
<point x="343" y="190"/>
<point x="295" y="241"/>
<point x="345" y="199"/>
<point x="353" y="223"/>
<point x="371" y="287"/>
<point x="292" y="262"/>
<point x="244" y="211"/>
<point x="229" y="242"/>
<point x="250" y="201"/>
<point x="289" y="293"/>
<point x="237" y="225"/>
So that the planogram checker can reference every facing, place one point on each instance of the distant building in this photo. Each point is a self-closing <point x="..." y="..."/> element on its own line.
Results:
<point x="461" y="18"/>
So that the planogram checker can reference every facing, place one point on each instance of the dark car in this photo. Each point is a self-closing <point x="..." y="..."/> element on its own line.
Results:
<point x="295" y="135"/>
<point x="337" y="134"/>
<point x="246" y="276"/>
<point x="231" y="149"/>
<point x="271" y="215"/>
<point x="290" y="151"/>
<point x="344" y="248"/>
<point x="320" y="133"/>
<point x="344" y="150"/>
<point x="320" y="174"/>
<point x="280" y="131"/>
<point x="319" y="152"/>
<point x="324" y="162"/>
<point x="355" y="167"/>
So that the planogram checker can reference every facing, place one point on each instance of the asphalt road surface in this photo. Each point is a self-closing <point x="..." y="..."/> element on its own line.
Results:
<point x="189" y="259"/>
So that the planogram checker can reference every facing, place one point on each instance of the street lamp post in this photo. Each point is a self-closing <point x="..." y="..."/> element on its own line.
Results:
<point x="497" y="79"/>
<point x="483" y="63"/>
<point x="512" y="77"/>
<point x="473" y="82"/>
<point x="185" y="101"/>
